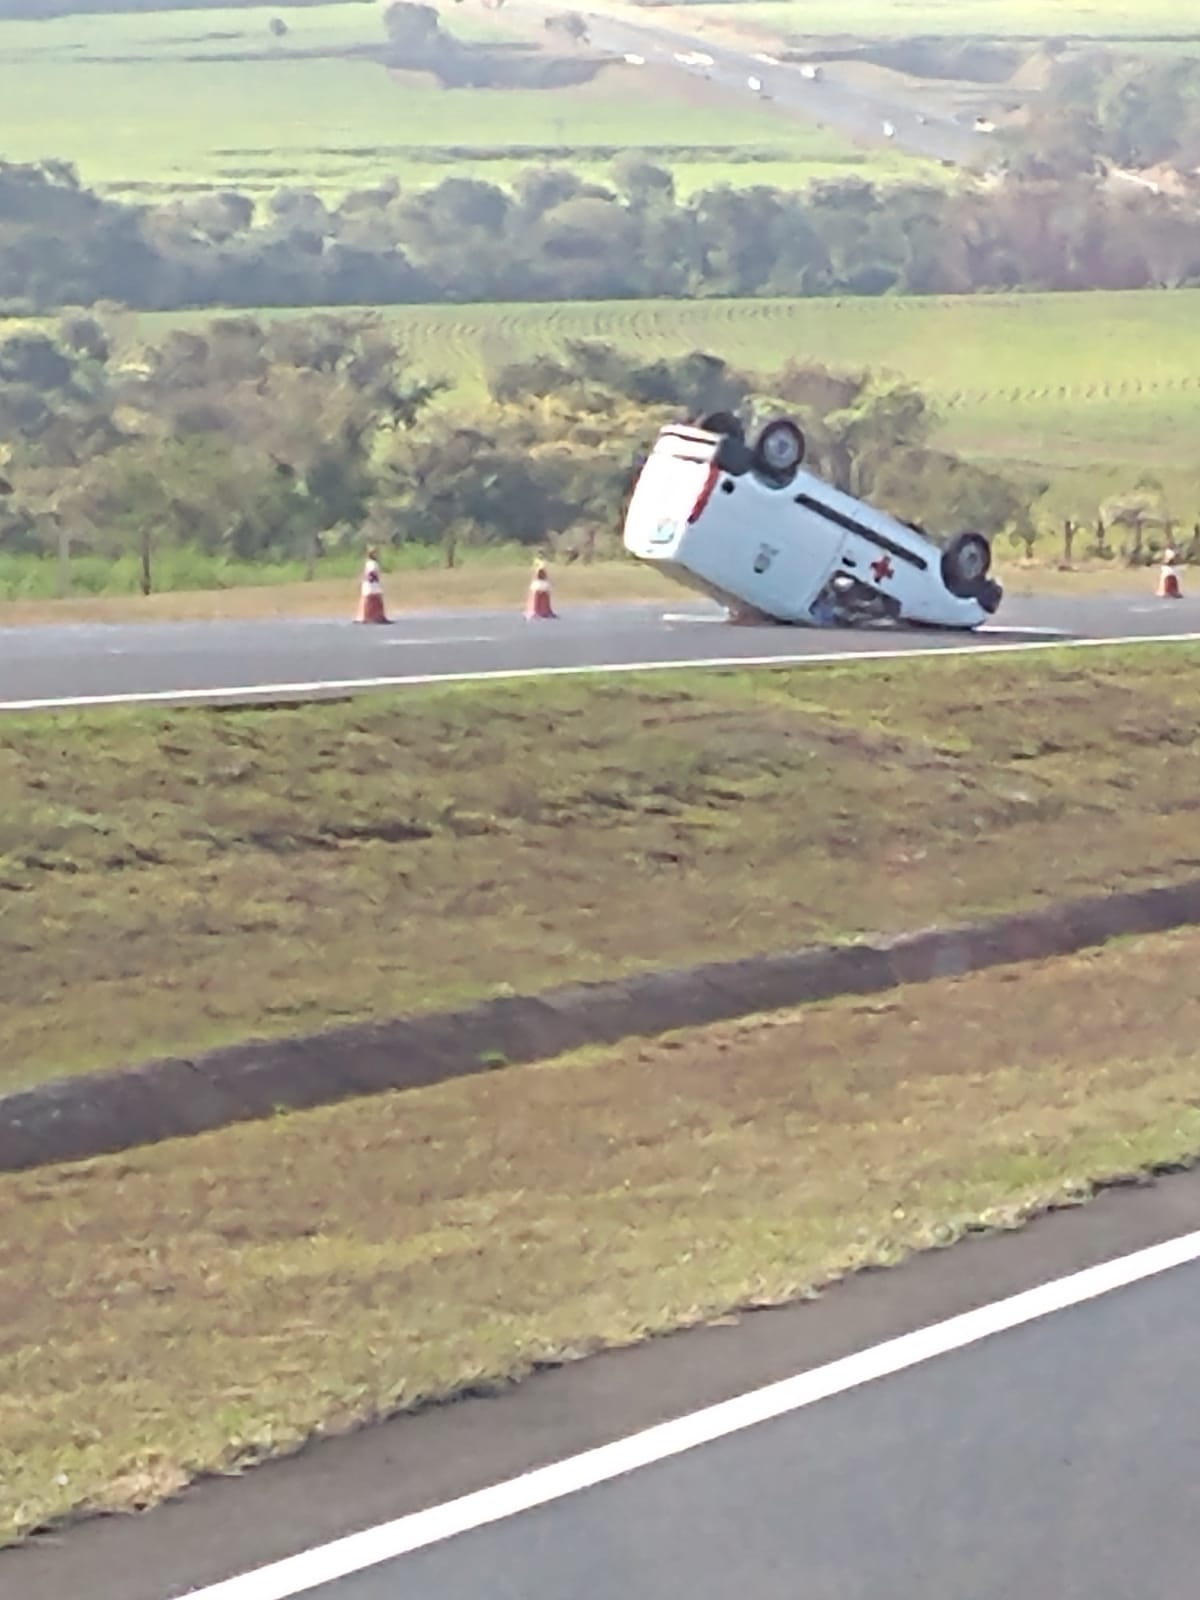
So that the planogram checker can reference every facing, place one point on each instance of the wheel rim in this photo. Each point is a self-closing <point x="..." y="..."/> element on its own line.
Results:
<point x="972" y="562"/>
<point x="780" y="450"/>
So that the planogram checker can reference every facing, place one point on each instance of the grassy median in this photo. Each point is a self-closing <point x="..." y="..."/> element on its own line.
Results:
<point x="500" y="581"/>
<point x="208" y="1302"/>
<point x="173" y="880"/>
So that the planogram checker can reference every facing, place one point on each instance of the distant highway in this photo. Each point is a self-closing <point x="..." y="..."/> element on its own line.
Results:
<point x="82" y="664"/>
<point x="836" y="106"/>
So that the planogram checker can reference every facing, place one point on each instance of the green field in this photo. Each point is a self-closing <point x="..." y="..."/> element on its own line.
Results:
<point x="1089" y="389"/>
<point x="87" y="88"/>
<point x="1000" y="19"/>
<point x="91" y="89"/>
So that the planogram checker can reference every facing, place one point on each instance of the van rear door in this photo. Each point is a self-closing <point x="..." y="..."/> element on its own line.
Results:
<point x="671" y="491"/>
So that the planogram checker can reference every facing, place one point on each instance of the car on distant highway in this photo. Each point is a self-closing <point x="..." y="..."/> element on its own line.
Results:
<point x="749" y="526"/>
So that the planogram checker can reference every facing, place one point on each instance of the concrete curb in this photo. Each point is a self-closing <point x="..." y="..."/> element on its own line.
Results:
<point x="74" y="1119"/>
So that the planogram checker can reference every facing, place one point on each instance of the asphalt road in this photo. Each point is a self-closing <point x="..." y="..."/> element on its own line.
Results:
<point x="287" y="658"/>
<point x="1062" y="1458"/>
<point x="1059" y="1458"/>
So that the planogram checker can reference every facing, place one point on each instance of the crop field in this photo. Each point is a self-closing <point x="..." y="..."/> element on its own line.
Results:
<point x="164" y="103"/>
<point x="1089" y="390"/>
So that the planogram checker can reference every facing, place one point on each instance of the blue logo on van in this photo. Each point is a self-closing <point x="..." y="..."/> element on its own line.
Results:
<point x="766" y="554"/>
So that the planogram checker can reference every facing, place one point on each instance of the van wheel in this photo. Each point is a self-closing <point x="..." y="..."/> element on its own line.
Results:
<point x="780" y="449"/>
<point x="723" y="422"/>
<point x="966" y="562"/>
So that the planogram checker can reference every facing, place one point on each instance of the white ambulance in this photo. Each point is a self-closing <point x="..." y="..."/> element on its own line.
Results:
<point x="747" y="525"/>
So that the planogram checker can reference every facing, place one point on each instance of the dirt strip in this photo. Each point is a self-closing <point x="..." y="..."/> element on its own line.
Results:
<point x="79" y="1118"/>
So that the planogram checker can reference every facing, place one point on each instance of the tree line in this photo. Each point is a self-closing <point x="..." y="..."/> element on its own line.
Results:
<point x="556" y="235"/>
<point x="1103" y="108"/>
<point x="285" y="439"/>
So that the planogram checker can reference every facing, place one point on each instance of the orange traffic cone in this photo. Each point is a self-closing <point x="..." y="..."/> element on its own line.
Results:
<point x="370" y="603"/>
<point x="1168" y="578"/>
<point x="538" y="604"/>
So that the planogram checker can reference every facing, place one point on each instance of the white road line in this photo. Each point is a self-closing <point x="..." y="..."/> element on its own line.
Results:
<point x="84" y="702"/>
<point x="327" y="1563"/>
<point x="444" y="638"/>
<point x="992" y="631"/>
<point x="997" y="632"/>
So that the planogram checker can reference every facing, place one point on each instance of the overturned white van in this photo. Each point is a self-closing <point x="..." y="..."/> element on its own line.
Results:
<point x="770" y="541"/>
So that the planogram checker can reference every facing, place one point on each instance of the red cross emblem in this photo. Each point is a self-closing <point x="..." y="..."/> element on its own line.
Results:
<point x="883" y="568"/>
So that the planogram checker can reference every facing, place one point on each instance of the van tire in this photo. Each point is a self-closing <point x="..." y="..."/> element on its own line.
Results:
<point x="966" y="562"/>
<point x="786" y="431"/>
<point x="723" y="422"/>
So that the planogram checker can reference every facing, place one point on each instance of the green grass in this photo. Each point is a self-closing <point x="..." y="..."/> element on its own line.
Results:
<point x="143" y="108"/>
<point x="212" y="1301"/>
<point x="32" y="578"/>
<point x="179" y="879"/>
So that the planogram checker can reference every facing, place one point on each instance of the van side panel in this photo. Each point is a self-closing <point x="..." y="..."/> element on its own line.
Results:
<point x="743" y="546"/>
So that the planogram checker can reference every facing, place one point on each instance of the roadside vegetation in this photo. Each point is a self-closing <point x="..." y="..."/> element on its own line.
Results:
<point x="175" y="880"/>
<point x="454" y="1237"/>
<point x="287" y="440"/>
<point x="140" y="457"/>
<point x="415" y="580"/>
